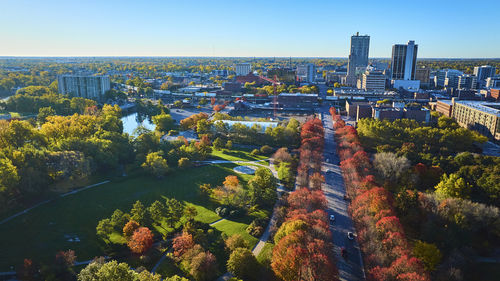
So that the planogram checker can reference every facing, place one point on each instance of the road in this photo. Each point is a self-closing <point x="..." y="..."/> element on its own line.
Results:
<point x="334" y="189"/>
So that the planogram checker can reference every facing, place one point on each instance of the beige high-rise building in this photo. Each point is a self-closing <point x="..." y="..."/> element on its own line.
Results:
<point x="373" y="81"/>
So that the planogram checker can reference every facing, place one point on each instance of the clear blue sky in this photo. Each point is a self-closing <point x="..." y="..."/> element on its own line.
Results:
<point x="312" y="28"/>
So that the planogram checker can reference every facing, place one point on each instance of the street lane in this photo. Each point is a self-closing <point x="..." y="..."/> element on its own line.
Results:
<point x="350" y="268"/>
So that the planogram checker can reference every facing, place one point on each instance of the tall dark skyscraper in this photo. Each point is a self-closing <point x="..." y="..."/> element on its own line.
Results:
<point x="404" y="61"/>
<point x="358" y="56"/>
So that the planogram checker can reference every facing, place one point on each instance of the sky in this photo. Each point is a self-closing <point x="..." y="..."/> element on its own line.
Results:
<point x="241" y="28"/>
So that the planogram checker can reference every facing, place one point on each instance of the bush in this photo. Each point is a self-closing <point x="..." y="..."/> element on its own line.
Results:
<point x="184" y="163"/>
<point x="173" y="132"/>
<point x="256" y="228"/>
<point x="221" y="211"/>
<point x="255" y="152"/>
<point x="266" y="150"/>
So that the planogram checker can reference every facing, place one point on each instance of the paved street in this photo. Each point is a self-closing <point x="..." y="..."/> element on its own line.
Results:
<point x="334" y="189"/>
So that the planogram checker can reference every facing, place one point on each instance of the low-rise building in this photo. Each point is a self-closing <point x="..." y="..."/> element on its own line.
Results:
<point x="481" y="116"/>
<point x="444" y="107"/>
<point x="495" y="93"/>
<point x="297" y="100"/>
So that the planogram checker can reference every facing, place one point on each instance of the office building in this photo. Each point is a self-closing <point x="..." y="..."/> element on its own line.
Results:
<point x="423" y="75"/>
<point x="467" y="81"/>
<point x="481" y="116"/>
<point x="242" y="69"/>
<point x="85" y="86"/>
<point x="373" y="80"/>
<point x="358" y="57"/>
<point x="297" y="100"/>
<point x="482" y="73"/>
<point x="306" y="73"/>
<point x="403" y="66"/>
<point x="493" y="82"/>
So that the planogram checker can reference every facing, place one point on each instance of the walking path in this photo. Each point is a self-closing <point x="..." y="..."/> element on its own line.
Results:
<point x="50" y="200"/>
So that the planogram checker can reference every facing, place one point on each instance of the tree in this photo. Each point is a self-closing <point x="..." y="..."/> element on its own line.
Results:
<point x="184" y="163"/>
<point x="139" y="213"/>
<point x="119" y="219"/>
<point x="263" y="187"/>
<point x="141" y="240"/>
<point x="229" y="144"/>
<point x="235" y="241"/>
<point x="390" y="166"/>
<point x="163" y="122"/>
<point x="203" y="267"/>
<point x="155" y="164"/>
<point x="453" y="186"/>
<point x="104" y="228"/>
<point x="218" y="144"/>
<point x="175" y="210"/>
<point x="266" y="150"/>
<point x="286" y="175"/>
<point x="130" y="227"/>
<point x="157" y="211"/>
<point x="243" y="264"/>
<point x="182" y="243"/>
<point x="428" y="253"/>
<point x="45" y="112"/>
<point x="99" y="270"/>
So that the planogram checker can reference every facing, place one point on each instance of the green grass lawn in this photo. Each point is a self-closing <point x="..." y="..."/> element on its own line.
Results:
<point x="232" y="227"/>
<point x="265" y="255"/>
<point x="45" y="230"/>
<point x="236" y="155"/>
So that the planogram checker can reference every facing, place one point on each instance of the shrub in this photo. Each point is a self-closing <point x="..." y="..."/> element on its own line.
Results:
<point x="255" y="152"/>
<point x="266" y="150"/>
<point x="173" y="132"/>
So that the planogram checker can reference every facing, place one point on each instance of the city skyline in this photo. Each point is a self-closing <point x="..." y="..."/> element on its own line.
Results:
<point x="228" y="29"/>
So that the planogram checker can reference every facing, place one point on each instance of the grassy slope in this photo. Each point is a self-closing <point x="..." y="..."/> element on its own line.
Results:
<point x="41" y="232"/>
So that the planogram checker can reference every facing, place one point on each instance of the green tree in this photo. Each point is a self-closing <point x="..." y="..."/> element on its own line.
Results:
<point x="163" y="122"/>
<point x="45" y="112"/>
<point x="155" y="164"/>
<point x="453" y="186"/>
<point x="158" y="212"/>
<point x="229" y="144"/>
<point x="104" y="228"/>
<point x="428" y="253"/>
<point x="243" y="264"/>
<point x="263" y="187"/>
<point x="218" y="144"/>
<point x="184" y="163"/>
<point x="139" y="213"/>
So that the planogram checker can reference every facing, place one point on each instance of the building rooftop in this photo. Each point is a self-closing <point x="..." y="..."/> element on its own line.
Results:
<point x="297" y="94"/>
<point x="487" y="107"/>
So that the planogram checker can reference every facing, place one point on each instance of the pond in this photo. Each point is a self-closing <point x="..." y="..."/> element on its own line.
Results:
<point x="133" y="120"/>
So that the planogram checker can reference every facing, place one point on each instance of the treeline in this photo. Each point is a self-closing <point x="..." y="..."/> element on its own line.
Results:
<point x="64" y="148"/>
<point x="303" y="241"/>
<point x="19" y="79"/>
<point x="285" y="134"/>
<point x="386" y="251"/>
<point x="32" y="99"/>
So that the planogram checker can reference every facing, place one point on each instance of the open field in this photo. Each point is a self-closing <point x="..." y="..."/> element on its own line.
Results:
<point x="237" y="155"/>
<point x="49" y="228"/>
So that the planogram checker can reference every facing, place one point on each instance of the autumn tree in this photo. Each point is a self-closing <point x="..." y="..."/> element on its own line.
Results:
<point x="141" y="240"/>
<point x="156" y="164"/>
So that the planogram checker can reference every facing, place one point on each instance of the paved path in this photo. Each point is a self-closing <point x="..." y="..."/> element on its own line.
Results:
<point x="50" y="200"/>
<point x="334" y="189"/>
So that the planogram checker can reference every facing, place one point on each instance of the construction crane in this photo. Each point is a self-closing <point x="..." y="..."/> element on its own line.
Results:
<point x="275" y="83"/>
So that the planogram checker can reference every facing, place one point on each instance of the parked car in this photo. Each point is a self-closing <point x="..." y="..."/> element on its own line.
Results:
<point x="332" y="218"/>
<point x="343" y="252"/>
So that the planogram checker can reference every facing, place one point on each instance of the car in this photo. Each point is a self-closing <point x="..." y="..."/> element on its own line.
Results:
<point x="332" y="218"/>
<point x="350" y="235"/>
<point x="327" y="160"/>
